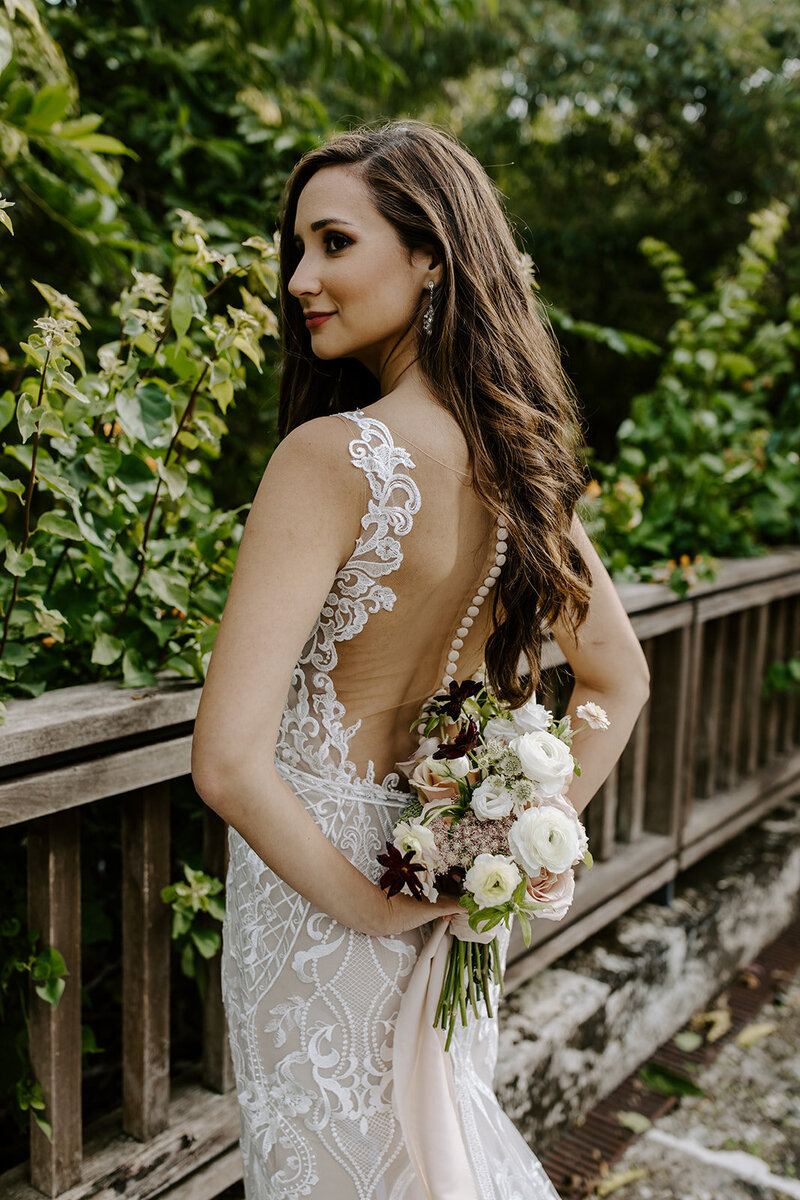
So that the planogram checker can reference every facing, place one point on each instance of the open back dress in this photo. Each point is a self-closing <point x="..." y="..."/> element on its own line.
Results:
<point x="311" y="1004"/>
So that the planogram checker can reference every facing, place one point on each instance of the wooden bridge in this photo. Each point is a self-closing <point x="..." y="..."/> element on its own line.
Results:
<point x="708" y="756"/>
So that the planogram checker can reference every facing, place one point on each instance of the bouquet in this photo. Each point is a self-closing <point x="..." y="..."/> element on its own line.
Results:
<point x="490" y="824"/>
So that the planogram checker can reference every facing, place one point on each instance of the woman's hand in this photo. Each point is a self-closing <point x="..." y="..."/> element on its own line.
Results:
<point x="404" y="912"/>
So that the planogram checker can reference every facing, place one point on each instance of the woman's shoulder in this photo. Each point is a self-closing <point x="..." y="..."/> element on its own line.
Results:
<point x="424" y="423"/>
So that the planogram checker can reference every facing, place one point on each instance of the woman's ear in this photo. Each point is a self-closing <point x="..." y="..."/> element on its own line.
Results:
<point x="428" y="259"/>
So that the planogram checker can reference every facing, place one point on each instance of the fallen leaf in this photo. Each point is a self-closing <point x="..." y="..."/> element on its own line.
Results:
<point x="614" y="1182"/>
<point x="718" y="1018"/>
<point x="687" y="1040"/>
<point x="636" y="1121"/>
<point x="754" y="1033"/>
<point x="665" y="1082"/>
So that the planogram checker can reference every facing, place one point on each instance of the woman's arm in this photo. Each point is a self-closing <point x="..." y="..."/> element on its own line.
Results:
<point x="301" y="528"/>
<point x="609" y="666"/>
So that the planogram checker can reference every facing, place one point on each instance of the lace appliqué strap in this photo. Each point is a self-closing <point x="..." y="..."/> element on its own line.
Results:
<point x="312" y="732"/>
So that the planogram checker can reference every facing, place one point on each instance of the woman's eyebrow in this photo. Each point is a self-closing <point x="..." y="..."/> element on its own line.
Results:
<point x="317" y="225"/>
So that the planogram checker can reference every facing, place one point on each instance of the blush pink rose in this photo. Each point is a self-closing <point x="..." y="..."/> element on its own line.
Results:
<point x="555" y="890"/>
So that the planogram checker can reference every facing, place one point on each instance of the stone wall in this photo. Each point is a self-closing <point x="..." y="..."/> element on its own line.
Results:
<point x="571" y="1034"/>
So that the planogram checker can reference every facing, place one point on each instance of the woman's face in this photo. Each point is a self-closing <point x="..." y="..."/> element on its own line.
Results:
<point x="354" y="271"/>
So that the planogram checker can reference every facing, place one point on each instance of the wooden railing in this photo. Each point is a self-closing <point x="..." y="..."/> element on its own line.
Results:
<point x="707" y="757"/>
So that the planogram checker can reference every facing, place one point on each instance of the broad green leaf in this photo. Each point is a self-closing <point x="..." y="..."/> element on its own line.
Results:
<point x="134" y="672"/>
<point x="101" y="143"/>
<point x="52" y="990"/>
<point x="56" y="483"/>
<point x="187" y="960"/>
<point x="28" y="416"/>
<point x="7" y="408"/>
<point x="103" y="460"/>
<point x="11" y="485"/>
<point x="143" y="413"/>
<point x="49" y="105"/>
<point x="180" y="312"/>
<point x="175" y="478"/>
<point x="18" y="562"/>
<point x="61" y="526"/>
<point x="206" y="940"/>
<point x="170" y="586"/>
<point x="107" y="649"/>
<point x="181" y="922"/>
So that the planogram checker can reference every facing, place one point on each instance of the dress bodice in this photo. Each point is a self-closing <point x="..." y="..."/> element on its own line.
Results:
<point x="428" y="554"/>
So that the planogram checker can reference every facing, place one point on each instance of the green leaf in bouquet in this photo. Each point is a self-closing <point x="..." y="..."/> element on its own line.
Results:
<point x="525" y="926"/>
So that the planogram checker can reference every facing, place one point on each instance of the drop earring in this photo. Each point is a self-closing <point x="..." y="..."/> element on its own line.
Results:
<point x="427" y="319"/>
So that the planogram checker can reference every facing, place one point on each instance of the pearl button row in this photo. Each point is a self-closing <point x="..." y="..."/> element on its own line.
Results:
<point x="475" y="603"/>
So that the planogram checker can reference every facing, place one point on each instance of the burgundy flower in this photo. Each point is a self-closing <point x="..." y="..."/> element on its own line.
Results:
<point x="457" y="694"/>
<point x="464" y="741"/>
<point x="399" y="871"/>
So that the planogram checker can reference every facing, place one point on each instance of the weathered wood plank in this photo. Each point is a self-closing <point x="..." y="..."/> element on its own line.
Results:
<point x="734" y="712"/>
<point x="788" y="718"/>
<point x="217" y="1064"/>
<point x="759" y="623"/>
<point x="720" y="818"/>
<point x="773" y="705"/>
<point x="669" y="698"/>
<point x="45" y="792"/>
<point x="708" y="717"/>
<point x="202" y="1126"/>
<point x="717" y="605"/>
<point x="209" y="1181"/>
<point x="89" y="714"/>
<point x="145" y="962"/>
<point x="54" y="908"/>
<point x="633" y="770"/>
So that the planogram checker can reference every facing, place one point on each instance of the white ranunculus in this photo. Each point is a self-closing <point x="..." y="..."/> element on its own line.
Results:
<point x="500" y="728"/>
<point x="530" y="717"/>
<point x="492" y="799"/>
<point x="410" y="835"/>
<point x="544" y="837"/>
<point x="545" y="760"/>
<point x="492" y="879"/>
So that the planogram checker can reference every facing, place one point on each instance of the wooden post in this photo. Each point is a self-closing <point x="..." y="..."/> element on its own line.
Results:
<point x="217" y="1064"/>
<point x="145" y="961"/>
<point x="707" y="718"/>
<point x="54" y="907"/>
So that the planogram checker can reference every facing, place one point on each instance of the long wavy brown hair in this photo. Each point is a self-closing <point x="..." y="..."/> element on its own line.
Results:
<point x="493" y="363"/>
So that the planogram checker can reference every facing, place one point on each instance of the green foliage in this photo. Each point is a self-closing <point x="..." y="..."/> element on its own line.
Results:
<point x="196" y="940"/>
<point x="115" y="550"/>
<point x="707" y="462"/>
<point x="19" y="963"/>
<point x="782" y="677"/>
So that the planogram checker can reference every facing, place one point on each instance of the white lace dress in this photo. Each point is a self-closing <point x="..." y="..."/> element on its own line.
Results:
<point x="312" y="1004"/>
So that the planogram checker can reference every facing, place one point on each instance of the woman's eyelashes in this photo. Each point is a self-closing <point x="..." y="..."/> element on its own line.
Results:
<point x="330" y="238"/>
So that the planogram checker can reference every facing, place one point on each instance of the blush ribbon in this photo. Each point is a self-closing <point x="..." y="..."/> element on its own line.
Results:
<point x="424" y="1097"/>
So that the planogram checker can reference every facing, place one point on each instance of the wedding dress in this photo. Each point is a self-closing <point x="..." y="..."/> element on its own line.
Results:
<point x="312" y="1005"/>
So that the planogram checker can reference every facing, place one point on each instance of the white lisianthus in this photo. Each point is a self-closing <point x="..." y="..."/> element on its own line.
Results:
<point x="410" y="835"/>
<point x="530" y="717"/>
<point x="492" y="799"/>
<point x="545" y="760"/>
<point x="492" y="878"/>
<point x="544" y="837"/>
<point x="500" y="728"/>
<point x="593" y="715"/>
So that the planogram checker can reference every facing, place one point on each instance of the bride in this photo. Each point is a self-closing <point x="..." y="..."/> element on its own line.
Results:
<point x="414" y="525"/>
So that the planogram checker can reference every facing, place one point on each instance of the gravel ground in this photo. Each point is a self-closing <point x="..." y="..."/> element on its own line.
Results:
<point x="741" y="1139"/>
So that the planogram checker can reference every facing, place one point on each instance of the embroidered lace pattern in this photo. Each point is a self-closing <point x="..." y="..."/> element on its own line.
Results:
<point x="311" y="1004"/>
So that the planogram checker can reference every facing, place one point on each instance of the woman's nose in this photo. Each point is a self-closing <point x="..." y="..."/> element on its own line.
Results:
<point x="304" y="281"/>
